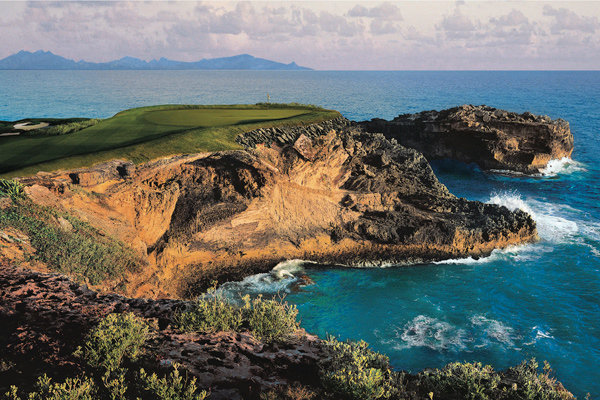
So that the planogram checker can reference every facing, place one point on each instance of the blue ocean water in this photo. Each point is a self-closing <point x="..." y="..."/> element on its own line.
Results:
<point x="539" y="300"/>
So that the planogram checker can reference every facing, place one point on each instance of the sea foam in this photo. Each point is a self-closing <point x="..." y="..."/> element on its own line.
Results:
<point x="551" y="226"/>
<point x="424" y="331"/>
<point x="561" y="166"/>
<point x="279" y="280"/>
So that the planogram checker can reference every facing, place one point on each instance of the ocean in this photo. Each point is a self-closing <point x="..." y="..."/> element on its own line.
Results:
<point x="539" y="300"/>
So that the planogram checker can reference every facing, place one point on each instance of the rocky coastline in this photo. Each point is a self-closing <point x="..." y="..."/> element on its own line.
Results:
<point x="336" y="192"/>
<point x="335" y="195"/>
<point x="492" y="138"/>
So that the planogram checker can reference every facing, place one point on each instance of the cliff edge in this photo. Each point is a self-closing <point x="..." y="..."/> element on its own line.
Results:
<point x="492" y="138"/>
<point x="330" y="194"/>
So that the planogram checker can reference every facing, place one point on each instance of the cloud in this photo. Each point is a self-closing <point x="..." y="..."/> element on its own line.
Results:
<point x="385" y="11"/>
<point x="565" y="19"/>
<point x="514" y="18"/>
<point x="457" y="26"/>
<point x="334" y="35"/>
<point x="383" y="27"/>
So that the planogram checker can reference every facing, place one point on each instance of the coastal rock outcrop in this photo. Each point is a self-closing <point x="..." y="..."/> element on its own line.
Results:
<point x="341" y="196"/>
<point x="492" y="138"/>
<point x="44" y="317"/>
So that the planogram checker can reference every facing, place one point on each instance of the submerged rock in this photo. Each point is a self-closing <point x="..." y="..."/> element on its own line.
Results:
<point x="339" y="196"/>
<point x="492" y="138"/>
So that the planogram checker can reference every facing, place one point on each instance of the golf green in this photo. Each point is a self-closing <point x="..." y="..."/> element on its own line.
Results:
<point x="143" y="134"/>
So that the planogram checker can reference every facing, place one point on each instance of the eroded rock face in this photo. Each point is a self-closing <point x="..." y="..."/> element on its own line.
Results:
<point x="346" y="197"/>
<point x="44" y="317"/>
<point x="494" y="139"/>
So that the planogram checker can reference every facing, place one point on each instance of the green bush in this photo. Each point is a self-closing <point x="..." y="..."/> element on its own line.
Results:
<point x="532" y="385"/>
<point x="171" y="387"/>
<point x="211" y="313"/>
<point x="472" y="381"/>
<point x="117" y="337"/>
<point x="82" y="251"/>
<point x="293" y="392"/>
<point x="271" y="320"/>
<point x="70" y="389"/>
<point x="11" y="188"/>
<point x="351" y="370"/>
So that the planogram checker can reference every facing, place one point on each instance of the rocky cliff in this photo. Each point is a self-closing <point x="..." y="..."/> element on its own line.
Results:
<point x="331" y="194"/>
<point x="492" y="138"/>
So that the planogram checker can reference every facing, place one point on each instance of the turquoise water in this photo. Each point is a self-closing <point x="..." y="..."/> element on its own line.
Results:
<point x="538" y="300"/>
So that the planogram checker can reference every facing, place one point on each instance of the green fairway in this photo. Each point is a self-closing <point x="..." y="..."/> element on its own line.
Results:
<point x="142" y="134"/>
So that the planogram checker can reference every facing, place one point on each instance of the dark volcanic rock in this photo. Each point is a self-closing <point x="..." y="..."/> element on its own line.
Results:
<point x="340" y="196"/>
<point x="44" y="317"/>
<point x="288" y="135"/>
<point x="494" y="139"/>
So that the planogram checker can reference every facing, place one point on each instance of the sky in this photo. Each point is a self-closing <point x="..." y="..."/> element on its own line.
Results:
<point x="326" y="35"/>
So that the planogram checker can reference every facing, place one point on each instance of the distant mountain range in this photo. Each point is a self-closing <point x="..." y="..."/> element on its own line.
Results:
<point x="47" y="60"/>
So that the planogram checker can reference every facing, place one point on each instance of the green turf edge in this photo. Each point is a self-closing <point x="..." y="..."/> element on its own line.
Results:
<point x="187" y="142"/>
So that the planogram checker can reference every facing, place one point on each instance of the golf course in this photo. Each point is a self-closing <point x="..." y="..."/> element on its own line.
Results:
<point x="141" y="134"/>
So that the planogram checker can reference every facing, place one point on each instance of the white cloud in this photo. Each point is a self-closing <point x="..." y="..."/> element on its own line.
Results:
<point x="326" y="35"/>
<point x="386" y="11"/>
<point x="457" y="26"/>
<point x="565" y="19"/>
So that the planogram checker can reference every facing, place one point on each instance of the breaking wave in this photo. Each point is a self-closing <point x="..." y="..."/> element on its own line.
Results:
<point x="524" y="252"/>
<point x="555" y="167"/>
<point x="551" y="227"/>
<point x="281" y="279"/>
<point x="561" y="166"/>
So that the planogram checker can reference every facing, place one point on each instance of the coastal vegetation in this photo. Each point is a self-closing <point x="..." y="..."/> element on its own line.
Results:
<point x="109" y="356"/>
<point x="143" y="134"/>
<point x="269" y="320"/>
<point x="115" y="351"/>
<point x="63" y="242"/>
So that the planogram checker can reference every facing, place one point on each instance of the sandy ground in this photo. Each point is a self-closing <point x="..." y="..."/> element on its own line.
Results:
<point x="10" y="134"/>
<point x="24" y="126"/>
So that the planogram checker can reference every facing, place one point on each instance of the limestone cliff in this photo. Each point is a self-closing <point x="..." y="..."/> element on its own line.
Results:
<point x="492" y="138"/>
<point x="345" y="196"/>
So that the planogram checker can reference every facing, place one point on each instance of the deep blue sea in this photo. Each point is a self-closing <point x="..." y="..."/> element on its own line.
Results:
<point x="539" y="300"/>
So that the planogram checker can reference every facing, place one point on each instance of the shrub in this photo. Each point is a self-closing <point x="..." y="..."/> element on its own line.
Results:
<point x="117" y="337"/>
<point x="294" y="392"/>
<point x="70" y="389"/>
<point x="472" y="381"/>
<point x="211" y="313"/>
<point x="529" y="384"/>
<point x="171" y="387"/>
<point x="11" y="188"/>
<point x="271" y="320"/>
<point x="353" y="371"/>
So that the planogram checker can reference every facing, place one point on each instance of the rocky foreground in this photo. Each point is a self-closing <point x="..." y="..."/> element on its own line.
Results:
<point x="44" y="317"/>
<point x="492" y="138"/>
<point x="330" y="193"/>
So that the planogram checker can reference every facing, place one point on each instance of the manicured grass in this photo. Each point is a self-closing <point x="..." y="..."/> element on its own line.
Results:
<point x="143" y="134"/>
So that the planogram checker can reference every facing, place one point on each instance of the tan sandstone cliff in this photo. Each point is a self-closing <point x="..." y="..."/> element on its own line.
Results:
<point x="332" y="196"/>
